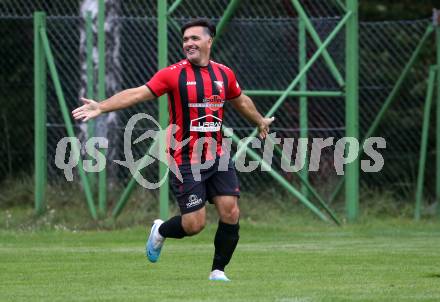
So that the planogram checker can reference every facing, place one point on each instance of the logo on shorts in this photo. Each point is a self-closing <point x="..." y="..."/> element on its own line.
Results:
<point x="193" y="201"/>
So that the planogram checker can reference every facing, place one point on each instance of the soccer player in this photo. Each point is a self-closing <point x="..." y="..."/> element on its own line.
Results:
<point x="197" y="89"/>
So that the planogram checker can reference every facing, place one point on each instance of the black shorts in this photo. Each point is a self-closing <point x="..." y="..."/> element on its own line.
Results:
<point x="191" y="194"/>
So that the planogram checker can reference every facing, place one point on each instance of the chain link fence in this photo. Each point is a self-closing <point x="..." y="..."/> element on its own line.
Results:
<point x="385" y="49"/>
<point x="260" y="44"/>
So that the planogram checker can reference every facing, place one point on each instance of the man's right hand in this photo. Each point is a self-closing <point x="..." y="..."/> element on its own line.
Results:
<point x="89" y="110"/>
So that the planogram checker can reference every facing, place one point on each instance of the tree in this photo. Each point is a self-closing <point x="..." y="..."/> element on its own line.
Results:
<point x="109" y="121"/>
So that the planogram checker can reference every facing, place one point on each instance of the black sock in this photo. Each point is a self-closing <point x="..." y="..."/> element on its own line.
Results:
<point x="172" y="228"/>
<point x="226" y="239"/>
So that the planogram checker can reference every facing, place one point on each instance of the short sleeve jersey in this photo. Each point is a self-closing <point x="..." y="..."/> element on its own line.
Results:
<point x="196" y="96"/>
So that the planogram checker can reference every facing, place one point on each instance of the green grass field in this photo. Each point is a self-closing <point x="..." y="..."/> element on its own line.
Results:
<point x="386" y="261"/>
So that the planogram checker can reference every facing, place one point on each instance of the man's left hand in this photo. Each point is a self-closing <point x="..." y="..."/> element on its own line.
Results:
<point x="263" y="127"/>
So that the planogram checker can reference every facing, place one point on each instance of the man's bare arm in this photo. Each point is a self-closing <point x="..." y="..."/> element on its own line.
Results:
<point x="244" y="105"/>
<point x="120" y="100"/>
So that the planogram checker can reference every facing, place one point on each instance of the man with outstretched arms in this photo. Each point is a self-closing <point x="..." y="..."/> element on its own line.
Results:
<point x="197" y="89"/>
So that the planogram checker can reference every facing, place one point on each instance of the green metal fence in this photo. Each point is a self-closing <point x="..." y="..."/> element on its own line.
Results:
<point x="267" y="44"/>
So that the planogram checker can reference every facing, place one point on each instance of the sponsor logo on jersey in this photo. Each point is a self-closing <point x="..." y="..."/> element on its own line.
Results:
<point x="202" y="125"/>
<point x="191" y="83"/>
<point x="219" y="85"/>
<point x="213" y="102"/>
<point x="214" y="99"/>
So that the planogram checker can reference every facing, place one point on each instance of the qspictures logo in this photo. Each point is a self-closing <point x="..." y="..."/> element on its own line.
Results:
<point x="345" y="151"/>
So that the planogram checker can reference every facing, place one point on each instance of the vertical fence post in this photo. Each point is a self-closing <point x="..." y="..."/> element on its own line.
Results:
<point x="90" y="80"/>
<point x="437" y="181"/>
<point x="101" y="96"/>
<point x="40" y="143"/>
<point x="162" y="28"/>
<point x="424" y="142"/>
<point x="303" y="112"/>
<point x="352" y="107"/>
<point x="66" y="117"/>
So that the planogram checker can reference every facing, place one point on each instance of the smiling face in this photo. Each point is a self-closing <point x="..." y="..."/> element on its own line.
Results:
<point x="197" y="45"/>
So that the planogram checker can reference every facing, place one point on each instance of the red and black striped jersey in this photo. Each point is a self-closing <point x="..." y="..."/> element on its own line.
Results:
<point x="196" y="96"/>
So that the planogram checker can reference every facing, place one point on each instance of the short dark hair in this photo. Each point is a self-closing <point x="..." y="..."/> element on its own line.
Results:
<point x="200" y="22"/>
